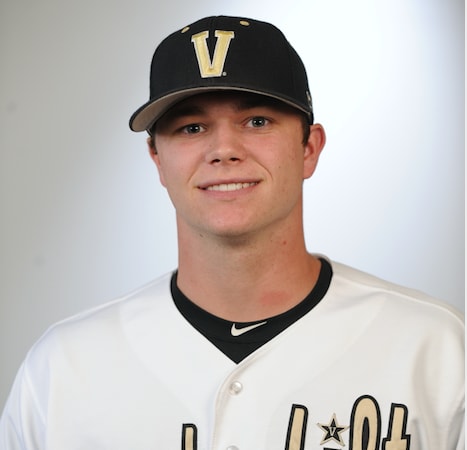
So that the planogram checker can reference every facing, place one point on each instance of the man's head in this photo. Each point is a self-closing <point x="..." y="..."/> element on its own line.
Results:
<point x="233" y="164"/>
<point x="224" y="53"/>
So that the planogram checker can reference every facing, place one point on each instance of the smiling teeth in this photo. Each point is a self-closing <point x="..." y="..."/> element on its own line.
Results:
<point x="229" y="186"/>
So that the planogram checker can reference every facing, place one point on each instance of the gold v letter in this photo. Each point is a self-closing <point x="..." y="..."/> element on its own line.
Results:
<point x="214" y="68"/>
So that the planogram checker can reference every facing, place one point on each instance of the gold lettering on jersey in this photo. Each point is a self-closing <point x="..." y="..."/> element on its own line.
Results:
<point x="397" y="439"/>
<point x="365" y="428"/>
<point x="365" y="431"/>
<point x="297" y="428"/>
<point x="189" y="437"/>
<point x="212" y="68"/>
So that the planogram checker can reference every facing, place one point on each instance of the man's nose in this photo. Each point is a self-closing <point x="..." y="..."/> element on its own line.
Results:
<point x="225" y="146"/>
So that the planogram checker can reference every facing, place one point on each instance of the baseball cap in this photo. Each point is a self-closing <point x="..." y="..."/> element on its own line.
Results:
<point x="224" y="53"/>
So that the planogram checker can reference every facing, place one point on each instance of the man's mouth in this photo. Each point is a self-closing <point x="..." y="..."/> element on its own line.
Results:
<point x="229" y="186"/>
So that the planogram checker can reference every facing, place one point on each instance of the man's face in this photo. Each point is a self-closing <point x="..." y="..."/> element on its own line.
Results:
<point x="234" y="164"/>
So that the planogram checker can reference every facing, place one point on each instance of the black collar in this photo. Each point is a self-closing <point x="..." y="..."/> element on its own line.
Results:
<point x="237" y="340"/>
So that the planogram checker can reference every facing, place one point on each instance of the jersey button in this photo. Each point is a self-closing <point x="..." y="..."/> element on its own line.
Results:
<point x="235" y="388"/>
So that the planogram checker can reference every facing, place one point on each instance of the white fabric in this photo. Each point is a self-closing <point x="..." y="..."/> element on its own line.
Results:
<point x="132" y="374"/>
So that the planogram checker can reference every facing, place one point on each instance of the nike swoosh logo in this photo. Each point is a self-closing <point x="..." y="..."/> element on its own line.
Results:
<point x="234" y="331"/>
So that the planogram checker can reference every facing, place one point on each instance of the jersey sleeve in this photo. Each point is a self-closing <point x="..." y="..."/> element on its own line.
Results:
<point x="22" y="425"/>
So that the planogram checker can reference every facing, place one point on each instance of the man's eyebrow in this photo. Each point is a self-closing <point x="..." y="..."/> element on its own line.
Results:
<point x="180" y="111"/>
<point x="259" y="101"/>
<point x="243" y="103"/>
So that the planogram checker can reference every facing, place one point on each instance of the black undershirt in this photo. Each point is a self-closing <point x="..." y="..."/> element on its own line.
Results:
<point x="218" y="330"/>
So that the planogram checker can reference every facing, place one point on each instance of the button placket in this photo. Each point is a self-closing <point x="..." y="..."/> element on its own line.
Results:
<point x="229" y="403"/>
<point x="235" y="388"/>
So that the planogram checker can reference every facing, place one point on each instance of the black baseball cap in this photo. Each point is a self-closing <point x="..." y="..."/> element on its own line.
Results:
<point x="224" y="53"/>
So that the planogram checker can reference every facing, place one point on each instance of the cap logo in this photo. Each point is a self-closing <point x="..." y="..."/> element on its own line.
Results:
<point x="212" y="68"/>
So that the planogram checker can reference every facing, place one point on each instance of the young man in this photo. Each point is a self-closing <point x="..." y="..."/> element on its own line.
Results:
<point x="252" y="343"/>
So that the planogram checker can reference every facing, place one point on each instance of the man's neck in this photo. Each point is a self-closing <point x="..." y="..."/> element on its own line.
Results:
<point x="246" y="279"/>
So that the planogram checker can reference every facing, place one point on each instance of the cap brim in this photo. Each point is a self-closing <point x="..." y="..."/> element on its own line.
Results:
<point x="148" y="114"/>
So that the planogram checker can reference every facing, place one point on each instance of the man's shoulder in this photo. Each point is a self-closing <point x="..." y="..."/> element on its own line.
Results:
<point x="148" y="295"/>
<point x="361" y="286"/>
<point x="107" y="320"/>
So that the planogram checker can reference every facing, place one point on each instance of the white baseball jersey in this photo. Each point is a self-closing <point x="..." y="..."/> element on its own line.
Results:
<point x="372" y="366"/>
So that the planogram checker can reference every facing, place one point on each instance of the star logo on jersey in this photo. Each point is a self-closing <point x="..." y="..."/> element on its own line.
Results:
<point x="332" y="431"/>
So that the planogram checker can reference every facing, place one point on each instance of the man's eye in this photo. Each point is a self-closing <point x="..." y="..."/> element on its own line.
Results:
<point x="258" y="122"/>
<point x="192" y="128"/>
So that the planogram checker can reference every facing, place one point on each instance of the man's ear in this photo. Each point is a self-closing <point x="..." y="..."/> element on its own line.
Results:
<point x="155" y="157"/>
<point x="151" y="141"/>
<point x="313" y="148"/>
